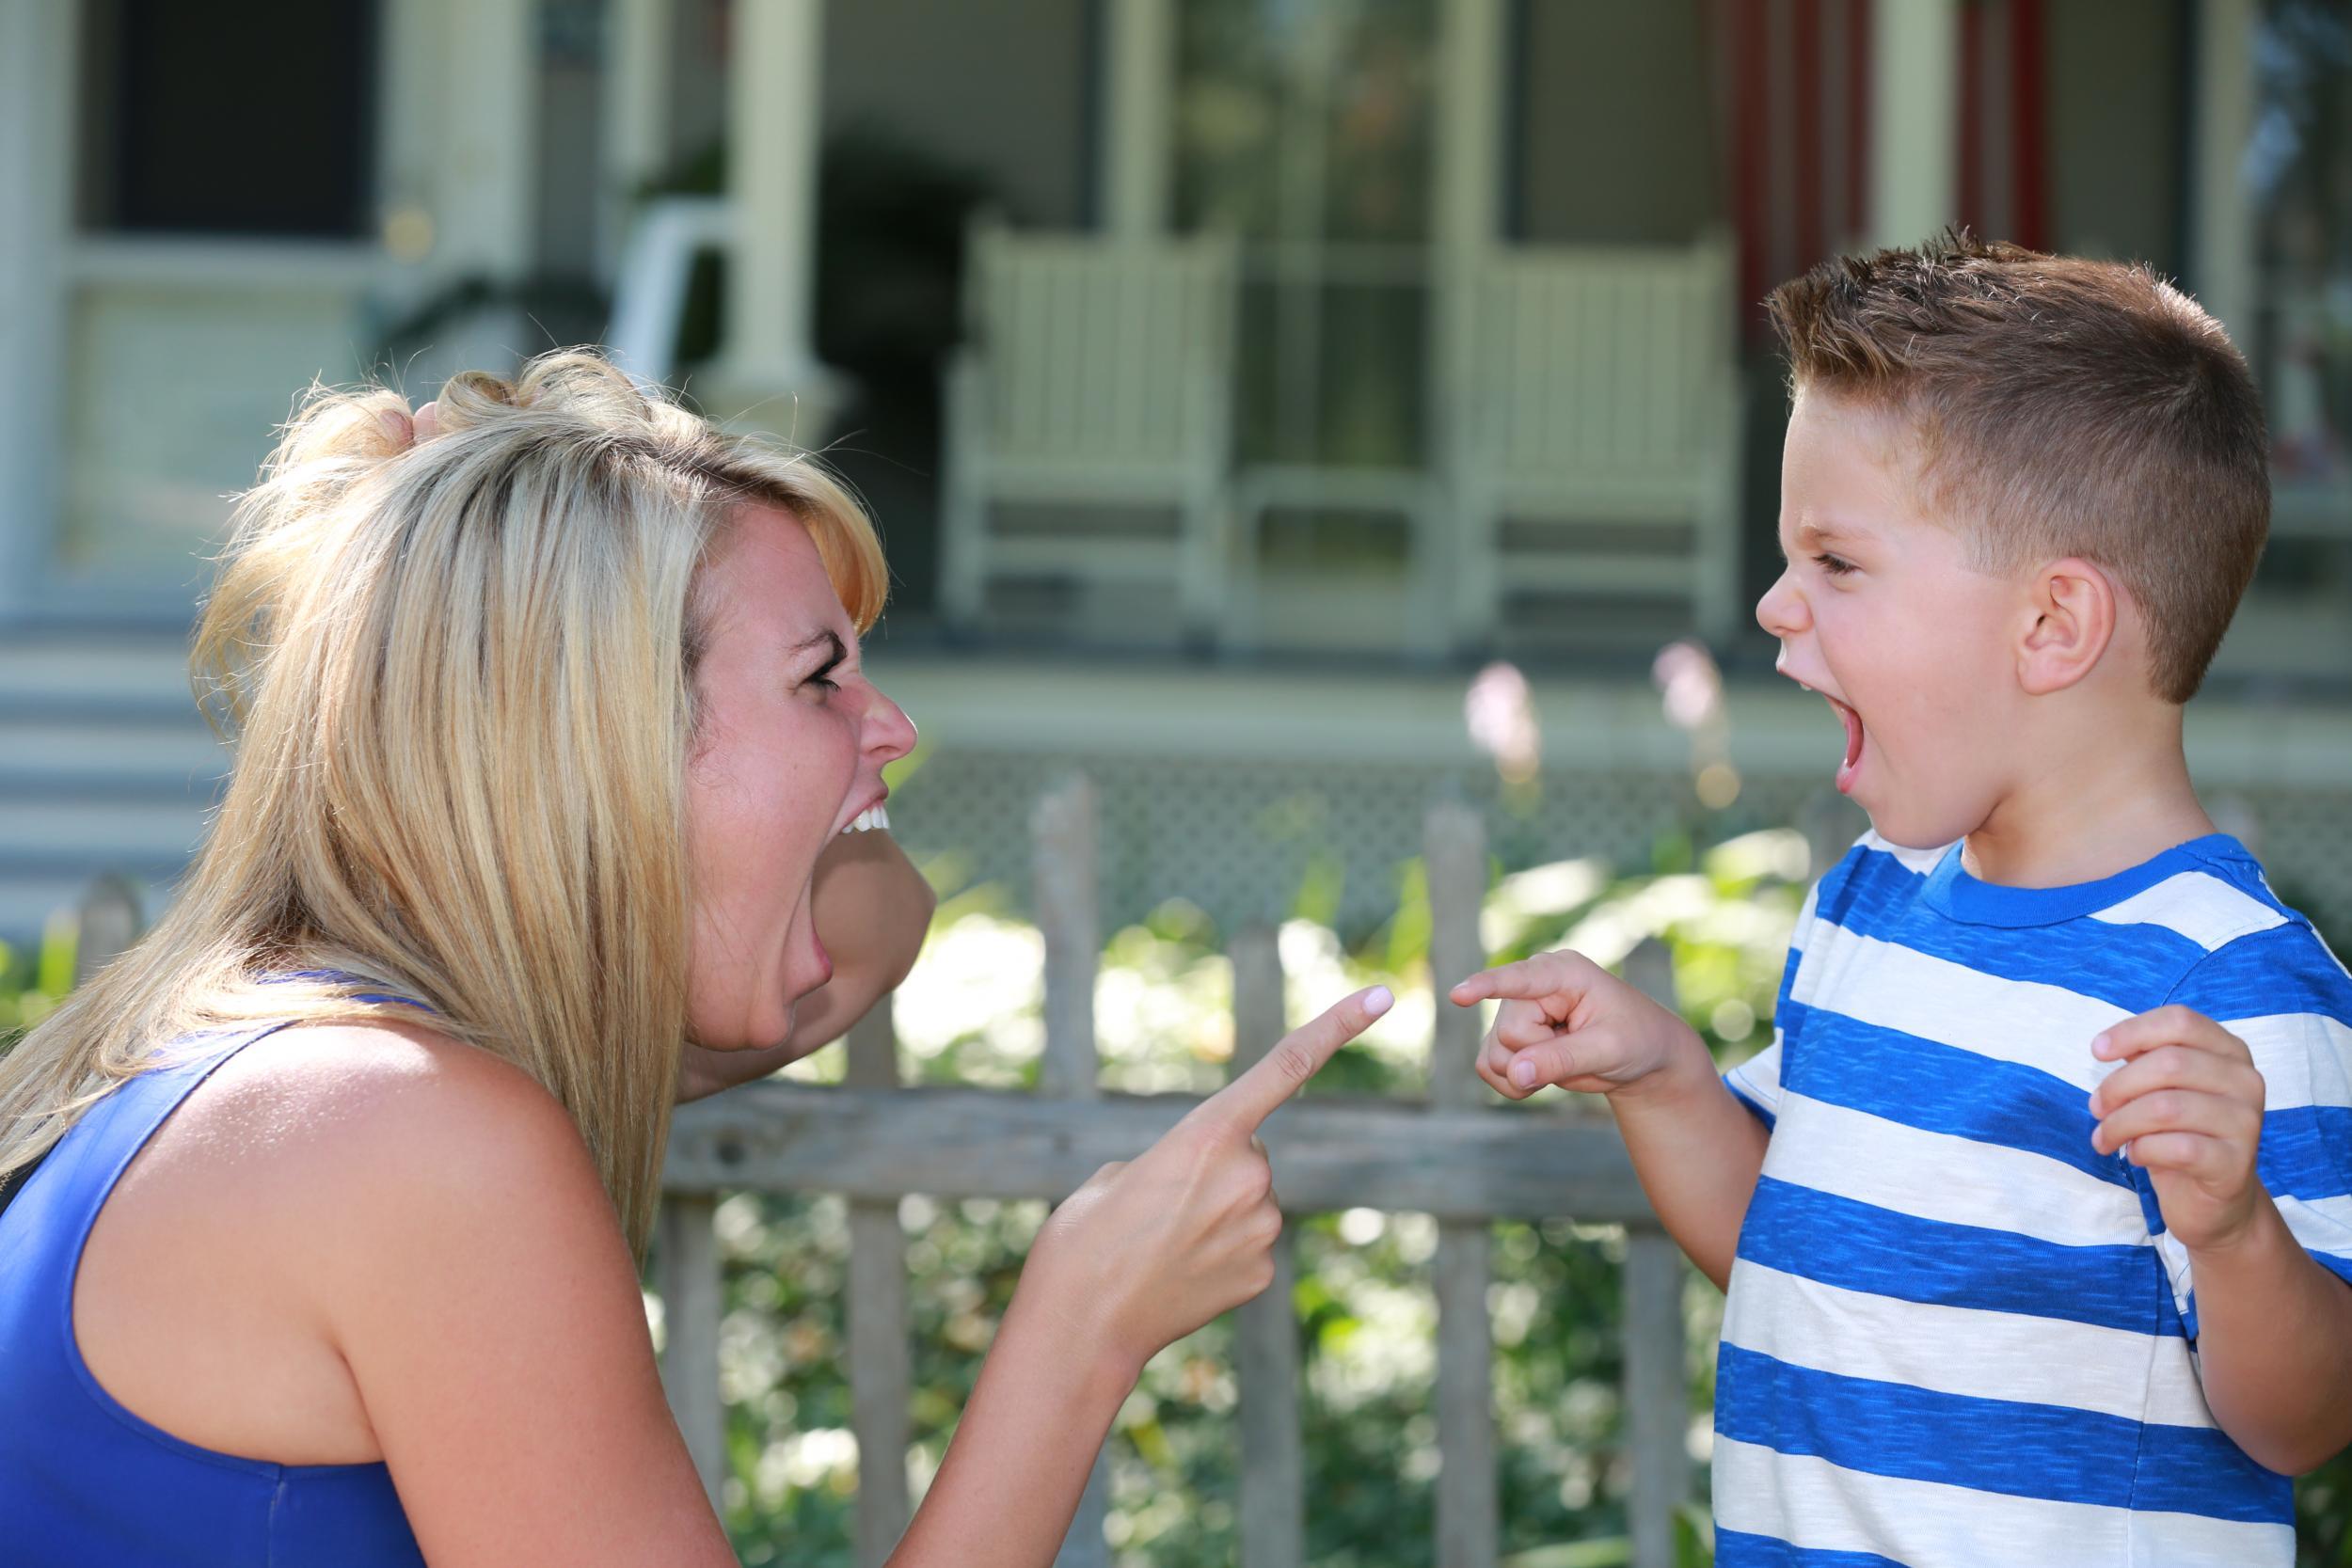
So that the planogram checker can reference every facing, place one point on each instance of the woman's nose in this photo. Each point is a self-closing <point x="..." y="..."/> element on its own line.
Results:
<point x="888" y="730"/>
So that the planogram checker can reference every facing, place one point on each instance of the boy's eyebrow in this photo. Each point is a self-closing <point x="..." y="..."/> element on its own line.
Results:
<point x="1811" y="534"/>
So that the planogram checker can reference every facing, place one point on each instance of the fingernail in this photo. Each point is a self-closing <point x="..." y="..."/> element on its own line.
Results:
<point x="1523" y="1074"/>
<point x="2099" y="1045"/>
<point x="1378" y="1000"/>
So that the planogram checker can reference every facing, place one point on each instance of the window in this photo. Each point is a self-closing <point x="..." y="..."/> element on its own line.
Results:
<point x="2299" y="165"/>
<point x="254" y="119"/>
<point x="2298" y="170"/>
<point x="1306" y="129"/>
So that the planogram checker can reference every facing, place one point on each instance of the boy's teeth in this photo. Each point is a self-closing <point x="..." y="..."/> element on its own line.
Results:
<point x="871" y="818"/>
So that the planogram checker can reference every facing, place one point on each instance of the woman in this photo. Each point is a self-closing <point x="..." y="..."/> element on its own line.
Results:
<point x="550" y="708"/>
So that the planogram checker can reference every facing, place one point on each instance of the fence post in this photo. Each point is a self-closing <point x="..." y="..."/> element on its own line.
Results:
<point x="107" y="922"/>
<point x="879" y="1376"/>
<point x="1830" y="823"/>
<point x="1273" y="1457"/>
<point x="1062" y="834"/>
<point x="1469" y="1522"/>
<point x="687" y="1261"/>
<point x="1657" y="1397"/>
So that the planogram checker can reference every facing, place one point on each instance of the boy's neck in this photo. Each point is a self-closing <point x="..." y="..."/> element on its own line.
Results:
<point x="2106" y="807"/>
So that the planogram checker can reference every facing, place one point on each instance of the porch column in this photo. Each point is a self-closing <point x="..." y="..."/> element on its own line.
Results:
<point x="636" y="117"/>
<point x="490" y="108"/>
<point x="37" y="147"/>
<point x="1138" y="76"/>
<point x="1456" y="556"/>
<point x="462" y="166"/>
<point x="1914" y="102"/>
<point x="2221" y="242"/>
<point x="768" y="377"/>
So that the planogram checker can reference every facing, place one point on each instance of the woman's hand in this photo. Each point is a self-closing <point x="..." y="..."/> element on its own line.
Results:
<point x="1152" y="1248"/>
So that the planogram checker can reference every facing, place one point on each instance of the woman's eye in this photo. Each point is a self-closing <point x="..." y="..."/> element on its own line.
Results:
<point x="821" y="678"/>
<point x="1835" y="567"/>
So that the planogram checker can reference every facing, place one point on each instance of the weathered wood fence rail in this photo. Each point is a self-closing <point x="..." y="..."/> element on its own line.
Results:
<point x="1458" y="1155"/>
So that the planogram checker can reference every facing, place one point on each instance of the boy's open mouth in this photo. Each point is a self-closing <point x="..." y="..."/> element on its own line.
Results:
<point x="1853" y="761"/>
<point x="1850" y="762"/>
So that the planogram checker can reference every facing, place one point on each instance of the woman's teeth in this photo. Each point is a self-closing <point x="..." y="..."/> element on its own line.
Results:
<point x="869" y="820"/>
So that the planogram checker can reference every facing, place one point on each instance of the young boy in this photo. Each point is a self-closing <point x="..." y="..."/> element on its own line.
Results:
<point x="2029" y="1263"/>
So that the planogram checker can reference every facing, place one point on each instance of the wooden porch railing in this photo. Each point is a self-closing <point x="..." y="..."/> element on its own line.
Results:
<point x="1457" y="1155"/>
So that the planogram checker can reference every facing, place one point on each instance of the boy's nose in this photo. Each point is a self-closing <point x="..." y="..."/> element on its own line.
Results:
<point x="1782" y="610"/>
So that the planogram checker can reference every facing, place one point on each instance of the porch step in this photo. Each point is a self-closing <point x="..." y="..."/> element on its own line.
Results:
<point x="107" y="753"/>
<point x="105" y="766"/>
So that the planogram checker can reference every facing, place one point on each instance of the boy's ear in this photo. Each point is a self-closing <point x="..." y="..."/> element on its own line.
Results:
<point x="2074" y="606"/>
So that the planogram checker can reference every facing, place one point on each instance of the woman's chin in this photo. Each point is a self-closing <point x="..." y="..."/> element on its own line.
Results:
<point x="764" y="1029"/>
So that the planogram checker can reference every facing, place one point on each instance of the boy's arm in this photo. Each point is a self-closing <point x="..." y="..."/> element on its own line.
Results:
<point x="2274" y="1328"/>
<point x="1697" y="1151"/>
<point x="2274" y="1341"/>
<point x="871" y="908"/>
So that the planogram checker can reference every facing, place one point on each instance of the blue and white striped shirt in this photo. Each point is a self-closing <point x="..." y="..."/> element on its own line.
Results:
<point x="1955" y="1335"/>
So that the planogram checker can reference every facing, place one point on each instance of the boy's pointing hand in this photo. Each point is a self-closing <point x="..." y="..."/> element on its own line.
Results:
<point x="1567" y="1020"/>
<point x="2188" y="1101"/>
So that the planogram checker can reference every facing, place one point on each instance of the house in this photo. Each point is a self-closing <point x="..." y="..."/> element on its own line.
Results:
<point x="1305" y="357"/>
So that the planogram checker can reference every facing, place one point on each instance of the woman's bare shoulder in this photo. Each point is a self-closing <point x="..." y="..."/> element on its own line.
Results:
<point x="366" y="1065"/>
<point x="374" y="1139"/>
<point x="469" y="1274"/>
<point x="365" y="1099"/>
<point x="318" y="1180"/>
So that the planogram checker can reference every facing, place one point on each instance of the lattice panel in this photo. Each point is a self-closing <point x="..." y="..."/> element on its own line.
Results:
<point x="1238" y="837"/>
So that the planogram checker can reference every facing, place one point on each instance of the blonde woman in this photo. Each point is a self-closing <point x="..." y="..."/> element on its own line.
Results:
<point x="326" y="1200"/>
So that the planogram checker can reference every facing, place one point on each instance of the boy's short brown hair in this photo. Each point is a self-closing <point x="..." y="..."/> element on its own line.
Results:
<point x="2062" y="407"/>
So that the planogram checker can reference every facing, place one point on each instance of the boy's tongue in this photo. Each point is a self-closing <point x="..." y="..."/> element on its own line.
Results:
<point x="1852" y="762"/>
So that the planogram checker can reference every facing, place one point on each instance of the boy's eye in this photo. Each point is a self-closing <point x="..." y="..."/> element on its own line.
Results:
<point x="1836" y="566"/>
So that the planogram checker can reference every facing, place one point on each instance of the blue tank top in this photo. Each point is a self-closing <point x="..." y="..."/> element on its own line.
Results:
<point x="82" y="1481"/>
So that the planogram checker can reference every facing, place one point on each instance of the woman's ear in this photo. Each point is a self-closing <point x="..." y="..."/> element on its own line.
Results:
<point x="2074" y="605"/>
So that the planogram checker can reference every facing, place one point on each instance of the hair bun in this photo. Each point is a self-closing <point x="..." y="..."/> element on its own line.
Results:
<point x="365" y="427"/>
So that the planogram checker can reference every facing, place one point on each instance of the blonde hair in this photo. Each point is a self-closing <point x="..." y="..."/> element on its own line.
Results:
<point x="460" y="676"/>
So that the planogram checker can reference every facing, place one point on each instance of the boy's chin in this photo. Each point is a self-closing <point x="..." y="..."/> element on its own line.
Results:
<point x="1907" y="827"/>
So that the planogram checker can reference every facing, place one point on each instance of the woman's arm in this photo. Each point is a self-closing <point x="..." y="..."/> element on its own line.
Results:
<point x="473" y="1277"/>
<point x="871" y="907"/>
<point x="470" y="1272"/>
<point x="1140" y="1256"/>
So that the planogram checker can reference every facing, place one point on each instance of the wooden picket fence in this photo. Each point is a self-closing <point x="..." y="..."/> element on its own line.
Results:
<point x="1458" y="1155"/>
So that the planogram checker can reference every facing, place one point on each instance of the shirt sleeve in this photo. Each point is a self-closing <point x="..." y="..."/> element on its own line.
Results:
<point x="2288" y="998"/>
<point x="1756" y="1083"/>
